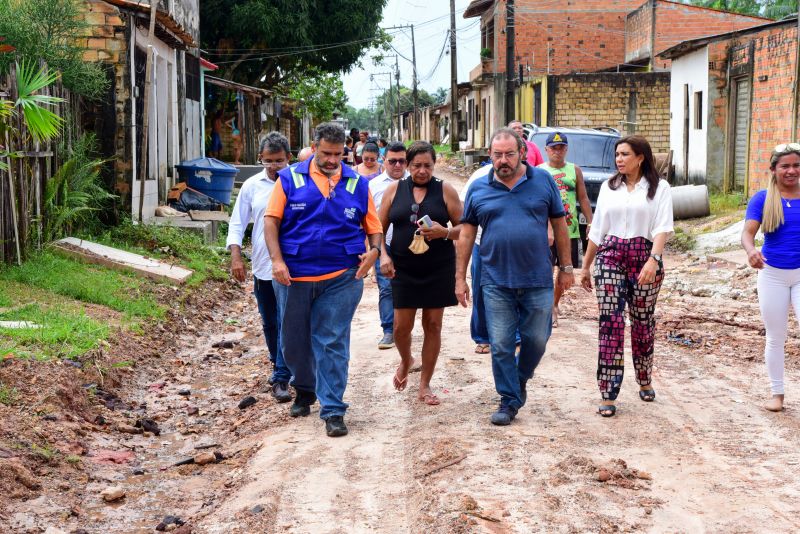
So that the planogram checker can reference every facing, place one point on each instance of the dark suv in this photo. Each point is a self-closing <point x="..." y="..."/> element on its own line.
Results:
<point x="590" y="149"/>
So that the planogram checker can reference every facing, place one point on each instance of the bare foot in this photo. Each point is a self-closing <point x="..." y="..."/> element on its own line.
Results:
<point x="775" y="404"/>
<point x="416" y="367"/>
<point x="555" y="316"/>
<point x="427" y="396"/>
<point x="400" y="379"/>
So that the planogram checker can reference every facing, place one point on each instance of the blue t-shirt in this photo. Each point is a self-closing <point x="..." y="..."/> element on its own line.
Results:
<point x="782" y="247"/>
<point x="514" y="249"/>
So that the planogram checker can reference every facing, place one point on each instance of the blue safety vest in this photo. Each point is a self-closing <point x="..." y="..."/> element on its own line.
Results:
<point x="321" y="235"/>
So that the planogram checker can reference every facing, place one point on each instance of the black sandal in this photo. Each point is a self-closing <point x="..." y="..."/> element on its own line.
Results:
<point x="607" y="410"/>
<point x="647" y="395"/>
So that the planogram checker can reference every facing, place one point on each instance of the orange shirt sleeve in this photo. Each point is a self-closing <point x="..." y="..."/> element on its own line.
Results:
<point x="372" y="224"/>
<point x="277" y="201"/>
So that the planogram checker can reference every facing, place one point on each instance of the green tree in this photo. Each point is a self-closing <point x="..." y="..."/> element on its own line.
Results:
<point x="777" y="9"/>
<point x="318" y="93"/>
<point x="262" y="42"/>
<point x="46" y="30"/>
<point x="774" y="9"/>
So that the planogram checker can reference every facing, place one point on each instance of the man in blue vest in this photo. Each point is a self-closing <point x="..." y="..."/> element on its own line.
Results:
<point x="317" y="221"/>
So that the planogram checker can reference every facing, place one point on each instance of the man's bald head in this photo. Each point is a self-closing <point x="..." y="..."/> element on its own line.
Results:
<point x="304" y="153"/>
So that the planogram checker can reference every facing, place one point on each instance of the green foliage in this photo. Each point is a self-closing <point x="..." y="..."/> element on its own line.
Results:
<point x="88" y="283"/>
<point x="75" y="194"/>
<point x="384" y="110"/>
<point x="266" y="41"/>
<point x="41" y="122"/>
<point x="318" y="93"/>
<point x="170" y="242"/>
<point x="774" y="9"/>
<point x="723" y="203"/>
<point x="47" y="30"/>
<point x="682" y="241"/>
<point x="8" y="395"/>
<point x="60" y="333"/>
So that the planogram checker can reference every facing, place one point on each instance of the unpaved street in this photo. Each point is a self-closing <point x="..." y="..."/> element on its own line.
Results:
<point x="703" y="457"/>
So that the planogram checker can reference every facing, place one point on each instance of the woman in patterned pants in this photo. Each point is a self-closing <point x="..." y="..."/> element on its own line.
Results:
<point x="632" y="222"/>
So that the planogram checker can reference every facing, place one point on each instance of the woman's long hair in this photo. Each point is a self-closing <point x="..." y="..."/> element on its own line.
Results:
<point x="772" y="217"/>
<point x="640" y="147"/>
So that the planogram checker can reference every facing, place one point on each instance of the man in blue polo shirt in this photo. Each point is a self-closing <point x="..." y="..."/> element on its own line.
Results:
<point x="513" y="206"/>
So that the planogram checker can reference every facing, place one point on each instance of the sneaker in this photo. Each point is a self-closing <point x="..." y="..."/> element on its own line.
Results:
<point x="301" y="406"/>
<point x="335" y="427"/>
<point x="280" y="390"/>
<point x="387" y="342"/>
<point x="504" y="415"/>
<point x="299" y="410"/>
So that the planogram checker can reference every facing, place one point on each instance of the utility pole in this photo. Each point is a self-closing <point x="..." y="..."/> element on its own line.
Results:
<point x="397" y="83"/>
<point x="416" y="93"/>
<point x="453" y="80"/>
<point x="148" y="90"/>
<point x="387" y="100"/>
<point x="510" y="112"/>
<point x="652" y="65"/>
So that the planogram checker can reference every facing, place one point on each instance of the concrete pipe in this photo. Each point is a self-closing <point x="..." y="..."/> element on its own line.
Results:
<point x="690" y="201"/>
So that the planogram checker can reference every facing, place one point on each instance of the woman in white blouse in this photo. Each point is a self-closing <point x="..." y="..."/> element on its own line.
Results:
<point x="631" y="225"/>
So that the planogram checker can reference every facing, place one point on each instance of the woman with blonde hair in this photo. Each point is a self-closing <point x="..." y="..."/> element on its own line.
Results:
<point x="776" y="211"/>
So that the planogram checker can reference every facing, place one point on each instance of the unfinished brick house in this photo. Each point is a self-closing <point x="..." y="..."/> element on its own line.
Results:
<point x="119" y="38"/>
<point x="582" y="63"/>
<point x="732" y="100"/>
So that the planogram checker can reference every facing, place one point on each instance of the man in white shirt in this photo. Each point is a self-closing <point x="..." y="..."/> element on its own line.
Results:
<point x="394" y="169"/>
<point x="250" y="206"/>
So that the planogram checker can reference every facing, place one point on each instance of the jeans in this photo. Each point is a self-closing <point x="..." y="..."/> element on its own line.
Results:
<point x="315" y="327"/>
<point x="507" y="309"/>
<point x="385" y="304"/>
<point x="270" y="320"/>
<point x="778" y="290"/>
<point x="477" y="322"/>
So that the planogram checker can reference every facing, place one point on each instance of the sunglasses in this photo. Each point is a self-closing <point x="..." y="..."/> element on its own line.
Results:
<point x="785" y="148"/>
<point x="396" y="161"/>
<point x="415" y="210"/>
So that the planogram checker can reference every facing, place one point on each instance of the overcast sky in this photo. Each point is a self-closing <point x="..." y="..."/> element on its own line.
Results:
<point x="431" y="23"/>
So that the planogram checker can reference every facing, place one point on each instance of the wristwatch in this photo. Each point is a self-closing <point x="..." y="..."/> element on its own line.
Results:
<point x="373" y="247"/>
<point x="565" y="269"/>
<point x="656" y="257"/>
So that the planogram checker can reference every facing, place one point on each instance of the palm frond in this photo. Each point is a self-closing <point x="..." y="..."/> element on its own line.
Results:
<point x="42" y="123"/>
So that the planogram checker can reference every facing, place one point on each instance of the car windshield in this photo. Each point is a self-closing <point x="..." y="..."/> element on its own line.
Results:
<point x="584" y="150"/>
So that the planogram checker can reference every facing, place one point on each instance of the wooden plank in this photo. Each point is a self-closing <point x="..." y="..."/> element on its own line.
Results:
<point x="202" y="215"/>
<point x="121" y="260"/>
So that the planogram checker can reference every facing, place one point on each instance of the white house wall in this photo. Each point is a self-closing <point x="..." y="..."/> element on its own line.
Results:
<point x="692" y="70"/>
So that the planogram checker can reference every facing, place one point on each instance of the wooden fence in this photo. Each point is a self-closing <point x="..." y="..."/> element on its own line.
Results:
<point x="22" y="186"/>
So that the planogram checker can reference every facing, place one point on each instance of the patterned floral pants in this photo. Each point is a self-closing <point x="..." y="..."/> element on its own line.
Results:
<point x="616" y="271"/>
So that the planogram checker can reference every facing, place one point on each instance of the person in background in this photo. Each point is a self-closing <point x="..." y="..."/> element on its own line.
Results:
<point x="348" y="151"/>
<point x="318" y="282"/>
<point x="305" y="153"/>
<point x="421" y="263"/>
<point x="394" y="170"/>
<point x="776" y="211"/>
<point x="534" y="156"/>
<point x="359" y="147"/>
<point x="215" y="150"/>
<point x="236" y="139"/>
<point x="513" y="206"/>
<point x="632" y="222"/>
<point x="369" y="167"/>
<point x="250" y="204"/>
<point x="382" y="144"/>
<point x="569" y="179"/>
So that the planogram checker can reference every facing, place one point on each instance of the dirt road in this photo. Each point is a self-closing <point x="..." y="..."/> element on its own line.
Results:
<point x="703" y="457"/>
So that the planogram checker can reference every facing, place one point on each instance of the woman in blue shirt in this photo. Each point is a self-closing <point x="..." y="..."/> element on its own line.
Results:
<point x="776" y="211"/>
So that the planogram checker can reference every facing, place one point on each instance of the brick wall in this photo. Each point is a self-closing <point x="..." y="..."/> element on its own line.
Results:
<point x="606" y="99"/>
<point x="675" y="23"/>
<point x="580" y="35"/>
<point x="107" y="41"/>
<point x="774" y="57"/>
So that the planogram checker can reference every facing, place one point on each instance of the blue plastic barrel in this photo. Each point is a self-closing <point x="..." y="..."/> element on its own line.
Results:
<point x="210" y="176"/>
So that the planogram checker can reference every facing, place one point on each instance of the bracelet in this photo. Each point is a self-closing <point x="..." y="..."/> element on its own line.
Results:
<point x="447" y="237"/>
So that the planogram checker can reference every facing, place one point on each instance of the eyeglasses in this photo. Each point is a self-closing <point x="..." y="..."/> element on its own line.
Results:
<point x="415" y="210"/>
<point x="401" y="161"/>
<point x="504" y="155"/>
<point x="785" y="148"/>
<point x="278" y="163"/>
<point x="369" y="160"/>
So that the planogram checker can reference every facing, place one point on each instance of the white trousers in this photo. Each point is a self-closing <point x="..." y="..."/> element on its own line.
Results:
<point x="777" y="289"/>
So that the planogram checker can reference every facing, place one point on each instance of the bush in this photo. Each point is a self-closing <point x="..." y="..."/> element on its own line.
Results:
<point x="682" y="241"/>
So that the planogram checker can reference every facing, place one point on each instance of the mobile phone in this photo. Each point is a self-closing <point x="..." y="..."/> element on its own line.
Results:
<point x="425" y="221"/>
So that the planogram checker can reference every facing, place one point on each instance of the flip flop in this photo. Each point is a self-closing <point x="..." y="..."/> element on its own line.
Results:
<point x="607" y="410"/>
<point x="430" y="399"/>
<point x="482" y="348"/>
<point x="555" y="316"/>
<point x="647" y="395"/>
<point x="399" y="384"/>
